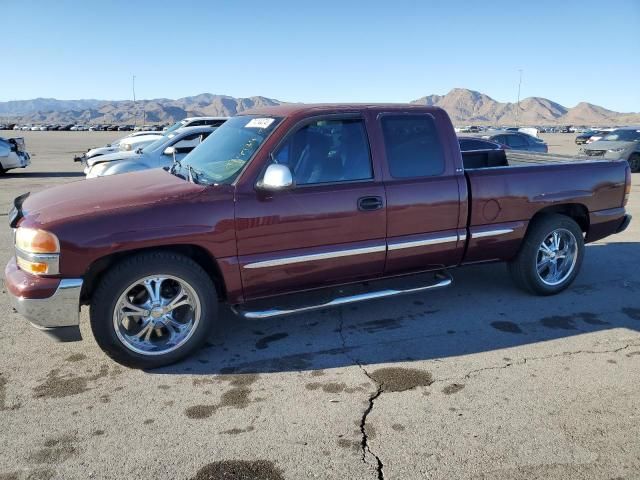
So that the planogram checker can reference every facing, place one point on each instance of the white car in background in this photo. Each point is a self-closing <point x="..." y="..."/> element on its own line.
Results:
<point x="131" y="142"/>
<point x="170" y="147"/>
<point x="13" y="154"/>
<point x="599" y="136"/>
<point x="197" y="122"/>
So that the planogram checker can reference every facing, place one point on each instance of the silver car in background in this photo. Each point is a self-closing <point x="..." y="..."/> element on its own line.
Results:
<point x="163" y="152"/>
<point x="197" y="122"/>
<point x="129" y="143"/>
<point x="621" y="143"/>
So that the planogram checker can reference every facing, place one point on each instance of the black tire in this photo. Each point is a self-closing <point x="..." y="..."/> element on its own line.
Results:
<point x="523" y="268"/>
<point x="634" y="162"/>
<point x="130" y="270"/>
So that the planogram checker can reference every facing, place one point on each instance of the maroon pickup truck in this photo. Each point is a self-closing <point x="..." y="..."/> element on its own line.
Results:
<point x="293" y="208"/>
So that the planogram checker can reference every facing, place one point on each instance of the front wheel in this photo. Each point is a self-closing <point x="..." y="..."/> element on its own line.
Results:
<point x="153" y="309"/>
<point x="550" y="257"/>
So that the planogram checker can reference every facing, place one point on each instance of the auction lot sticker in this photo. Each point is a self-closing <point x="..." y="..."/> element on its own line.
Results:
<point x="259" y="123"/>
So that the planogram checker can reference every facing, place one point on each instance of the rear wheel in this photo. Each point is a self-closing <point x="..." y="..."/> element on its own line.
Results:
<point x="550" y="256"/>
<point x="634" y="162"/>
<point x="153" y="309"/>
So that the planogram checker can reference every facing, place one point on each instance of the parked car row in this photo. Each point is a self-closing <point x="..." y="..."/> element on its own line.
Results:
<point x="186" y="122"/>
<point x="81" y="128"/>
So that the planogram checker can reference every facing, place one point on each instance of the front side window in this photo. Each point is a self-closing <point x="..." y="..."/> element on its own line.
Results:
<point x="327" y="151"/>
<point x="412" y="146"/>
<point x="516" y="141"/>
<point x="189" y="142"/>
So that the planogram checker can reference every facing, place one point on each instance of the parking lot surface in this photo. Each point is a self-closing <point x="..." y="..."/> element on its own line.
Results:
<point x="476" y="381"/>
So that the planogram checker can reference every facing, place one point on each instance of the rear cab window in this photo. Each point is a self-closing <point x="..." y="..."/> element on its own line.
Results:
<point x="412" y="145"/>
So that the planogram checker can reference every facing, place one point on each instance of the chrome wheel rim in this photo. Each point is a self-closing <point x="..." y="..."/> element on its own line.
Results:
<point x="557" y="256"/>
<point x="156" y="315"/>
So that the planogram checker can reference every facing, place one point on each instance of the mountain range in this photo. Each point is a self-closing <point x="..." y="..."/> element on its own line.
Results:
<point x="463" y="105"/>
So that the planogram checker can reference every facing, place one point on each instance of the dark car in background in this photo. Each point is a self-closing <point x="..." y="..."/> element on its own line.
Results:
<point x="518" y="141"/>
<point x="472" y="144"/>
<point x="583" y="138"/>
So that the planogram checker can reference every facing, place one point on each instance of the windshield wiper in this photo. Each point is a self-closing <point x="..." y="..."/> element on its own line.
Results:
<point x="176" y="163"/>
<point x="194" y="174"/>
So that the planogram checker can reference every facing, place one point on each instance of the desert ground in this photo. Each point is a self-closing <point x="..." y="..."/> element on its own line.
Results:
<point x="477" y="381"/>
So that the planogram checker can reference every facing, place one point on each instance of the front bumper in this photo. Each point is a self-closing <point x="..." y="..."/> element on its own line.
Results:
<point x="624" y="224"/>
<point x="57" y="313"/>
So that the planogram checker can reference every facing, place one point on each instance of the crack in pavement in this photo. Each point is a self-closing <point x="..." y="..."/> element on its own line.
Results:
<point x="364" y="443"/>
<point x="531" y="359"/>
<point x="366" y="448"/>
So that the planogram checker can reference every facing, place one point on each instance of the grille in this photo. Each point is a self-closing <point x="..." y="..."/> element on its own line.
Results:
<point x="595" y="153"/>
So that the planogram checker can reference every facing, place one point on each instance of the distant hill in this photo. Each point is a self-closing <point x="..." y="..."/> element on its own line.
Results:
<point x="463" y="105"/>
<point x="159" y="110"/>
<point x="23" y="107"/>
<point x="468" y="106"/>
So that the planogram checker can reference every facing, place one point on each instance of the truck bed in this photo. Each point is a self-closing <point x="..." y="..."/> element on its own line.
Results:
<point x="509" y="196"/>
<point x="513" y="158"/>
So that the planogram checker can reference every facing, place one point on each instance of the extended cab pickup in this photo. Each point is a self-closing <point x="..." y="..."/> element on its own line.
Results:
<point x="297" y="207"/>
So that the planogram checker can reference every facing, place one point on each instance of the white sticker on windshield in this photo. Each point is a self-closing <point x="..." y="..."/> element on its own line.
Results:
<point x="259" y="123"/>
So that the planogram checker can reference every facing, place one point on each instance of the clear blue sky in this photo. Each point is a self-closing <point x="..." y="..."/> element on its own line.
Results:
<point x="325" y="50"/>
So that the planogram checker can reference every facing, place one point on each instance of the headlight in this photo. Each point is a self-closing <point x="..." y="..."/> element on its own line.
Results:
<point x="98" y="169"/>
<point x="126" y="146"/>
<point x="617" y="150"/>
<point x="37" y="251"/>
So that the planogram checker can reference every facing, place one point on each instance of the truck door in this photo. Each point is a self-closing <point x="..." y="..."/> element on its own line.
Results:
<point x="425" y="224"/>
<point x="330" y="227"/>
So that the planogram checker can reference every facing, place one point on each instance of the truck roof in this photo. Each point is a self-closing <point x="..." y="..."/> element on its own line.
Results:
<point x="289" y="109"/>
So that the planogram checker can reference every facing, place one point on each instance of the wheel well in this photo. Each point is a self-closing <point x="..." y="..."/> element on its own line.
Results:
<point x="576" y="211"/>
<point x="98" y="268"/>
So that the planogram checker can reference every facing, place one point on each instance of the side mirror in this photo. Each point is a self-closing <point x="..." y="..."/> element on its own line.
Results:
<point x="276" y="177"/>
<point x="169" y="151"/>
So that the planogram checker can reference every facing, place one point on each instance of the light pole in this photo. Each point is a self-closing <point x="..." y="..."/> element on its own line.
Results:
<point x="135" y="107"/>
<point x="518" y="105"/>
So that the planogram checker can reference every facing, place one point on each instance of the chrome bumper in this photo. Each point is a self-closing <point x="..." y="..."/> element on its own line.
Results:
<point x="58" y="315"/>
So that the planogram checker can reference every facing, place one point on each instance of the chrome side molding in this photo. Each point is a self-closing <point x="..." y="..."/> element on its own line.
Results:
<point x="491" y="233"/>
<point x="316" y="256"/>
<point x="421" y="243"/>
<point x="443" y="280"/>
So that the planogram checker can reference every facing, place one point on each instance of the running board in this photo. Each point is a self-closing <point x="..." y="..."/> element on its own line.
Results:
<point x="345" y="295"/>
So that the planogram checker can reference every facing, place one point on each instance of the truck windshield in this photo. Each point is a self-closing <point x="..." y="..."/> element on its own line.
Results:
<point x="176" y="126"/>
<point x="221" y="157"/>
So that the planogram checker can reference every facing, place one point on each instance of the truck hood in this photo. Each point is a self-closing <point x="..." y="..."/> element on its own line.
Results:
<point x="106" y="194"/>
<point x="609" y="145"/>
<point x="112" y="157"/>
